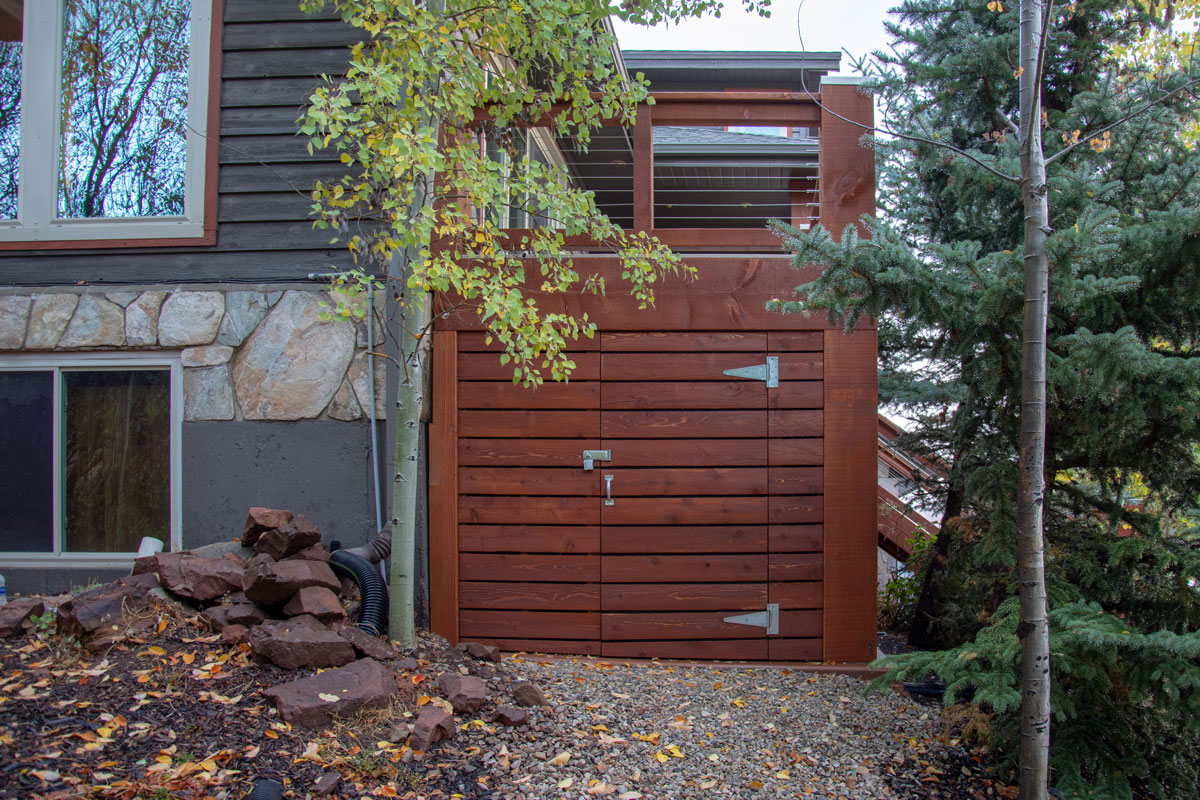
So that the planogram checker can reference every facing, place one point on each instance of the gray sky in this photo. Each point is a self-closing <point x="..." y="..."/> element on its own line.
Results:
<point x="856" y="25"/>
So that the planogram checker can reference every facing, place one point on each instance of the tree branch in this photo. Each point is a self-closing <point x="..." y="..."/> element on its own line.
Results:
<point x="1123" y="120"/>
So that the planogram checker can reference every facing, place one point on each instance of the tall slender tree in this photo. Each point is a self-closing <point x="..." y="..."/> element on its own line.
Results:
<point x="1013" y="293"/>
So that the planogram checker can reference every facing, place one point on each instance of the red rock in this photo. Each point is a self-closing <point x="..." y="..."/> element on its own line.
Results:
<point x="216" y="617"/>
<point x="263" y="519"/>
<point x="145" y="564"/>
<point x="526" y="694"/>
<point x="14" y="617"/>
<point x="288" y="539"/>
<point x="235" y="634"/>
<point x="299" y="642"/>
<point x="511" y="715"/>
<point x="433" y="725"/>
<point x="319" y="601"/>
<point x="363" y="684"/>
<point x="114" y="603"/>
<point x="197" y="578"/>
<point x="314" y="552"/>
<point x="465" y="692"/>
<point x="246" y="614"/>
<point x="273" y="583"/>
<point x="485" y="652"/>
<point x="364" y="643"/>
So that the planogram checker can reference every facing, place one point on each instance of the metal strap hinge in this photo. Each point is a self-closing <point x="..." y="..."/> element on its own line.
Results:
<point x="768" y="619"/>
<point x="768" y="372"/>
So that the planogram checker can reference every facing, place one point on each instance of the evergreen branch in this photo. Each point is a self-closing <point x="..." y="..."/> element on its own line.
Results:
<point x="1137" y="112"/>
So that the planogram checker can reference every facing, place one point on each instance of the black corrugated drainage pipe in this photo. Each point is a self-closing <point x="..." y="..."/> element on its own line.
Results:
<point x="266" y="789"/>
<point x="372" y="612"/>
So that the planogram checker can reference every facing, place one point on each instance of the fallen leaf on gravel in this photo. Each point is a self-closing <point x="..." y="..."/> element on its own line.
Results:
<point x="675" y="751"/>
<point x="756" y="784"/>
<point x="565" y="783"/>
<point x="561" y="758"/>
<point x="662" y="757"/>
<point x="630" y="796"/>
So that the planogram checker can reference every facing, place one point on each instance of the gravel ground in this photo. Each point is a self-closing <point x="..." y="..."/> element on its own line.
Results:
<point x="674" y="732"/>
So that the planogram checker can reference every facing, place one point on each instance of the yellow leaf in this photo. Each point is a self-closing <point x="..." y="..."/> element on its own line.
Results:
<point x="756" y="784"/>
<point x="158" y="651"/>
<point x="565" y="783"/>
<point x="561" y="758"/>
<point x="423" y="699"/>
<point x="328" y="698"/>
<point x="662" y="757"/>
<point x="1020" y="71"/>
<point x="271" y="734"/>
<point x="188" y="658"/>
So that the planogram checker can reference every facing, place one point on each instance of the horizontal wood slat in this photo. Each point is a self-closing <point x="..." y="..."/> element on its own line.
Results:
<point x="567" y="539"/>
<point x="800" y="623"/>
<point x="795" y="649"/>
<point x="683" y="568"/>
<point x="796" y="452"/>
<point x="797" y="538"/>
<point x="529" y="480"/>
<point x="686" y="511"/>
<point x="703" y="342"/>
<point x="792" y="509"/>
<point x="579" y="625"/>
<point x="529" y="596"/>
<point x="706" y="395"/>
<point x="689" y="453"/>
<point x="797" y="394"/>
<point x="524" y="452"/>
<point x="712" y="650"/>
<point x="684" y="596"/>
<point x="689" y="625"/>
<point x="681" y="366"/>
<point x="504" y="567"/>
<point x="797" y="567"/>
<point x="528" y="424"/>
<point x="501" y="510"/>
<point x="653" y="539"/>
<point x="487" y="367"/>
<point x="793" y="341"/>
<point x="476" y="342"/>
<point x="695" y="424"/>
<point x="738" y="481"/>
<point x="795" y="480"/>
<point x="800" y="594"/>
<point x="795" y="422"/>
<point x="550" y="395"/>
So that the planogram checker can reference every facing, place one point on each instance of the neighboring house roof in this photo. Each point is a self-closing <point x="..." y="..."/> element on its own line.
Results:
<point x="709" y="70"/>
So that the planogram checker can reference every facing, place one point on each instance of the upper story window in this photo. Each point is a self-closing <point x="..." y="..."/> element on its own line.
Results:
<point x="103" y="119"/>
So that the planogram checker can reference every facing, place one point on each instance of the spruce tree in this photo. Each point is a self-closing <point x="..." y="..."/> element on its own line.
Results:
<point x="942" y="272"/>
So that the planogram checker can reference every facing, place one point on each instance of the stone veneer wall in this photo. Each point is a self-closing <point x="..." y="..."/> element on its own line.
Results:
<point x="259" y="353"/>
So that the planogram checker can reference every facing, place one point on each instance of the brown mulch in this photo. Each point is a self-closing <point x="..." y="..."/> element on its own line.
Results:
<point x="177" y="715"/>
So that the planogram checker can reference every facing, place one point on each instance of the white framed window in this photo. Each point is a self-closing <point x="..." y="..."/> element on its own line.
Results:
<point x="103" y="119"/>
<point x="92" y="456"/>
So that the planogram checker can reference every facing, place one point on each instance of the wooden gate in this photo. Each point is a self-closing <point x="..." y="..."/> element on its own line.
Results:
<point x="698" y="531"/>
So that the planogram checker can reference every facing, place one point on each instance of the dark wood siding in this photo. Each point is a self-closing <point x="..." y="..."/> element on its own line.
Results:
<point x="271" y="54"/>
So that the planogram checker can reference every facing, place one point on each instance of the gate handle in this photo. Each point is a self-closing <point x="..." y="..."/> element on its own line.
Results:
<point x="608" y="501"/>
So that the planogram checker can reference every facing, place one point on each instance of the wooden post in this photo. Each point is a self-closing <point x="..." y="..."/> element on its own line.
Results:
<point x="643" y="170"/>
<point x="443" y="488"/>
<point x="847" y="190"/>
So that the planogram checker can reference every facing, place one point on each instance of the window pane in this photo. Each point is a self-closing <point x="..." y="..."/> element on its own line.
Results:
<point x="10" y="104"/>
<point x="124" y="107"/>
<point x="116" y="459"/>
<point x="26" y="485"/>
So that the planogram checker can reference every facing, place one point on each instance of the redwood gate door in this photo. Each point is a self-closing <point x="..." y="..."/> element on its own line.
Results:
<point x="667" y="502"/>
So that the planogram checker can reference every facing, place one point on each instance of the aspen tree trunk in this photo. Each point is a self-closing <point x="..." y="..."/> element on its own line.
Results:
<point x="412" y="309"/>
<point x="1033" y="629"/>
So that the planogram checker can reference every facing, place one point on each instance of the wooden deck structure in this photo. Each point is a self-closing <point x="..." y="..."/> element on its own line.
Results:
<point x="722" y="496"/>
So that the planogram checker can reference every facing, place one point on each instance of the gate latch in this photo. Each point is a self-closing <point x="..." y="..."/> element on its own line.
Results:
<point x="768" y="372"/>
<point x="768" y="619"/>
<point x="592" y="456"/>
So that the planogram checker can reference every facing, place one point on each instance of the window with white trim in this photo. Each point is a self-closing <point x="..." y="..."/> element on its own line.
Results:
<point x="91" y="455"/>
<point x="103" y="107"/>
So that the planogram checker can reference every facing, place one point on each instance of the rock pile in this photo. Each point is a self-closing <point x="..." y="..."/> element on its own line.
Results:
<point x="273" y="591"/>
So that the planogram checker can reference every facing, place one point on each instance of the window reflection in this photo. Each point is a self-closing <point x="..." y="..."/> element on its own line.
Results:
<point x="122" y="148"/>
<point x="11" y="14"/>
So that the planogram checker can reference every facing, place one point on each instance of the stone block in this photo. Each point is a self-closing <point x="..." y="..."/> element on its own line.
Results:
<point x="299" y="642"/>
<point x="190" y="318"/>
<point x="48" y="319"/>
<point x="314" y="701"/>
